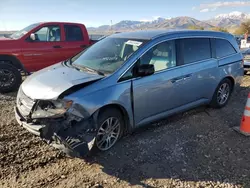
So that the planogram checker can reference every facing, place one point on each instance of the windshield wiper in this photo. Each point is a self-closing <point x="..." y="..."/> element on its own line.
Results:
<point x="88" y="69"/>
<point x="97" y="71"/>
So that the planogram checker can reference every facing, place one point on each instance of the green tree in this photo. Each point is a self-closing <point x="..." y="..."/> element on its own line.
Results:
<point x="245" y="26"/>
<point x="220" y="29"/>
<point x="239" y="31"/>
<point x="195" y="27"/>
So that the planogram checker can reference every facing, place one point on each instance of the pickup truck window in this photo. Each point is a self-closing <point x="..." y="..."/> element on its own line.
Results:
<point x="48" y="34"/>
<point x="108" y="55"/>
<point x="73" y="33"/>
<point x="21" y="33"/>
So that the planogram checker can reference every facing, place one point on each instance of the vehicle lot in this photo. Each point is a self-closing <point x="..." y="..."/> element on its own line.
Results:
<point x="194" y="149"/>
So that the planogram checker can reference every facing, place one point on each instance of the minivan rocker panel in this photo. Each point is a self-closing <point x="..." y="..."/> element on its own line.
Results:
<point x="125" y="81"/>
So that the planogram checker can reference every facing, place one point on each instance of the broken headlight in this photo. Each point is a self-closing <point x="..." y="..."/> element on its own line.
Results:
<point x="51" y="109"/>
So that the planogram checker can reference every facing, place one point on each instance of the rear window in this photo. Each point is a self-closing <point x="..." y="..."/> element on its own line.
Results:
<point x="223" y="48"/>
<point x="73" y="33"/>
<point x="195" y="49"/>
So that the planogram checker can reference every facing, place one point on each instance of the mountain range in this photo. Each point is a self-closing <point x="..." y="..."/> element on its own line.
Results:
<point x="229" y="21"/>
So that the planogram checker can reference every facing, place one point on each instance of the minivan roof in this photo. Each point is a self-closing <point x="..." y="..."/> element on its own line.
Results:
<point x="152" y="34"/>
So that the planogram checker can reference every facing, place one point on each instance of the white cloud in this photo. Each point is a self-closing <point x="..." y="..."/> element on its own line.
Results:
<point x="156" y="17"/>
<point x="150" y="20"/>
<point x="213" y="6"/>
<point x="204" y="10"/>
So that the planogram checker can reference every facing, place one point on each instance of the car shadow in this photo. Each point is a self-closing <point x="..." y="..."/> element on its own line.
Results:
<point x="4" y="96"/>
<point x="198" y="145"/>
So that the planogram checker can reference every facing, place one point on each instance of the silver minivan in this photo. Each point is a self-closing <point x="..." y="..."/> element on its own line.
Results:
<point x="125" y="81"/>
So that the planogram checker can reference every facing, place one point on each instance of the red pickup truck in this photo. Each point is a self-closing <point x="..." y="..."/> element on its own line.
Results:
<point x="38" y="46"/>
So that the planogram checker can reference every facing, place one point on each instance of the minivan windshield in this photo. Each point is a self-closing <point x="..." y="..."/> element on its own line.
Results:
<point x="19" y="34"/>
<point x="107" y="55"/>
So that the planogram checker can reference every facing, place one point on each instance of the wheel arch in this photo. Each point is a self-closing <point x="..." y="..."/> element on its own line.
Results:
<point x="13" y="61"/>
<point x="231" y="80"/>
<point x="228" y="77"/>
<point x="122" y="110"/>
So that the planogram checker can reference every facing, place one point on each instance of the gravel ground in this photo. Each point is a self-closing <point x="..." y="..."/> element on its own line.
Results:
<point x="195" y="149"/>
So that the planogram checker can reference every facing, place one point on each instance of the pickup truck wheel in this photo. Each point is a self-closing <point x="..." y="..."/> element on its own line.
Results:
<point x="10" y="78"/>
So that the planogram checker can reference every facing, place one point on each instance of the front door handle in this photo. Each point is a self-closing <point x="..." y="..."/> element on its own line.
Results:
<point x="188" y="76"/>
<point x="57" y="46"/>
<point x="175" y="80"/>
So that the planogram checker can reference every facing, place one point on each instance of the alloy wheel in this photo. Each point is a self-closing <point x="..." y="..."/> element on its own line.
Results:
<point x="108" y="133"/>
<point x="7" y="78"/>
<point x="223" y="93"/>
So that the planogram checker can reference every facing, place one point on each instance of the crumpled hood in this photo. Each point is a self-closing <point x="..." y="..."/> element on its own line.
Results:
<point x="50" y="82"/>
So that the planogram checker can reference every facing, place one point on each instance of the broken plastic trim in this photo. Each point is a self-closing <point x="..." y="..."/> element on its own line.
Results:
<point x="51" y="109"/>
<point x="73" y="135"/>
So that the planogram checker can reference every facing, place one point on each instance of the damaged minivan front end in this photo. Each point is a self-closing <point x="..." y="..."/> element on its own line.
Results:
<point x="61" y="123"/>
<point x="79" y="105"/>
<point x="43" y="109"/>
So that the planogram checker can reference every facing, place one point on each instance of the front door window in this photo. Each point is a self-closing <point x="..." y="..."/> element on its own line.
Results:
<point x="162" y="56"/>
<point x="48" y="34"/>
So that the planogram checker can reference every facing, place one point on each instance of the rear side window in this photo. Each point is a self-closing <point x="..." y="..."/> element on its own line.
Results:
<point x="195" y="49"/>
<point x="73" y="33"/>
<point x="223" y="48"/>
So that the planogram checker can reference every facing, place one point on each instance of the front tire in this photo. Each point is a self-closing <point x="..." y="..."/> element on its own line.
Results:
<point x="222" y="94"/>
<point x="10" y="78"/>
<point x="110" y="129"/>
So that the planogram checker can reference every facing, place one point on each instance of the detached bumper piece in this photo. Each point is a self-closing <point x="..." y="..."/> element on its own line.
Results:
<point x="76" y="140"/>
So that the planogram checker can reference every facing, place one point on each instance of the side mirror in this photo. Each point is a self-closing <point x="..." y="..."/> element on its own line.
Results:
<point x="145" y="70"/>
<point x="32" y="36"/>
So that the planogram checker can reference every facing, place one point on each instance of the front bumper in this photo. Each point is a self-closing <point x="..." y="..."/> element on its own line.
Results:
<point x="34" y="129"/>
<point x="70" y="140"/>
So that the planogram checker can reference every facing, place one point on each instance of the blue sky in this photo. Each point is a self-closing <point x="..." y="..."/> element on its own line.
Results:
<point x="16" y="14"/>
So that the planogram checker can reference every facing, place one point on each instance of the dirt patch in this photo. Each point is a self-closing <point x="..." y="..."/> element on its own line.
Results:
<point x="195" y="149"/>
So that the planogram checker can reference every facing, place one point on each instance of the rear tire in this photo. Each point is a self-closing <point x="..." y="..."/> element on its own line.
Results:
<point x="222" y="94"/>
<point x="10" y="78"/>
